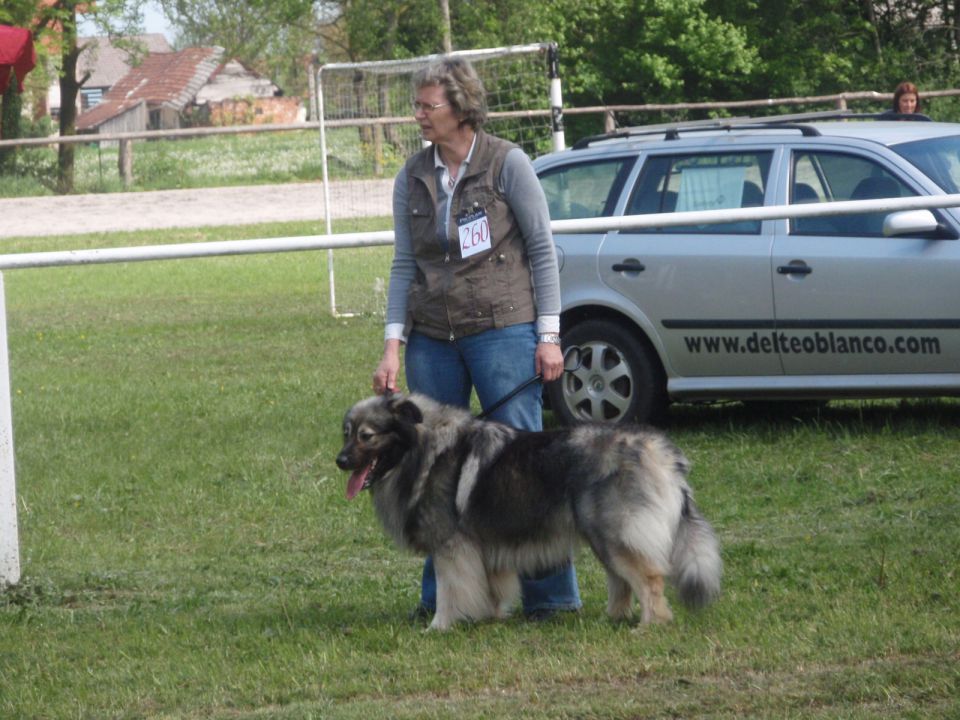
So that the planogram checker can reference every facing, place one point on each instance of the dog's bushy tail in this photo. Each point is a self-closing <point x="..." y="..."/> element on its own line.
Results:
<point x="696" y="567"/>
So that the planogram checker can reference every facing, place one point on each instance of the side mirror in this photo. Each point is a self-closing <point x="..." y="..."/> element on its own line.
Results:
<point x="914" y="222"/>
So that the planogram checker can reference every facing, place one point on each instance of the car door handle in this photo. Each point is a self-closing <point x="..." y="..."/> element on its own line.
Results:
<point x="629" y="266"/>
<point x="794" y="269"/>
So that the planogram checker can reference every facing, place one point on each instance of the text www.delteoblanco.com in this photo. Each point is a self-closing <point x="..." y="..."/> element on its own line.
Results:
<point x="819" y="343"/>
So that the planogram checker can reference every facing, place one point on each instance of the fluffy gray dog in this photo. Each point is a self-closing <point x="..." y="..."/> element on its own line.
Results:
<point x="490" y="503"/>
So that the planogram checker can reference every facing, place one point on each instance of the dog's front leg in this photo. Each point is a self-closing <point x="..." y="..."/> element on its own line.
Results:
<point x="504" y="591"/>
<point x="463" y="592"/>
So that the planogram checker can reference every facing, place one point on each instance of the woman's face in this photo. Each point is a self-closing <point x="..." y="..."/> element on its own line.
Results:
<point x="439" y="124"/>
<point x="908" y="103"/>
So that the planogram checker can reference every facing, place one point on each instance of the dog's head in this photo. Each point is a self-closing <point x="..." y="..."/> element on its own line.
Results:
<point x="377" y="432"/>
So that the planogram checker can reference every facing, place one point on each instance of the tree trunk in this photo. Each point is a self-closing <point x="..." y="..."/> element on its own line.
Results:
<point x="69" y="89"/>
<point x="956" y="30"/>
<point x="10" y="124"/>
<point x="871" y="17"/>
<point x="445" y="25"/>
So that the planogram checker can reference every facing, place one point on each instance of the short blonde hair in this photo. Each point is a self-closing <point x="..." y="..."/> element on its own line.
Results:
<point x="461" y="85"/>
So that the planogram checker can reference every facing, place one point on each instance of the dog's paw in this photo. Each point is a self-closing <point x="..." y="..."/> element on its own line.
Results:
<point x="439" y="625"/>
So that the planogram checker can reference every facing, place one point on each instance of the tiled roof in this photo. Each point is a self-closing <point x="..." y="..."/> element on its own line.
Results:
<point x="107" y="63"/>
<point x="162" y="80"/>
<point x="233" y="79"/>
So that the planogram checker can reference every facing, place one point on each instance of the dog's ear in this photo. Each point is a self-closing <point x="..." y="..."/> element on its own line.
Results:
<point x="409" y="411"/>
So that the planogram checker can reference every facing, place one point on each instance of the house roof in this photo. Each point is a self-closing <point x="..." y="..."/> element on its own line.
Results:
<point x="234" y="79"/>
<point x="169" y="80"/>
<point x="107" y="63"/>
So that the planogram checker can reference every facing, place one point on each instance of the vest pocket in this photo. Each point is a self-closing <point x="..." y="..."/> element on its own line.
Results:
<point x="494" y="294"/>
<point x="476" y="197"/>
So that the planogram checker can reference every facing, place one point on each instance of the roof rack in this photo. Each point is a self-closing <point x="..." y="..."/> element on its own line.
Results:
<point x="795" y="121"/>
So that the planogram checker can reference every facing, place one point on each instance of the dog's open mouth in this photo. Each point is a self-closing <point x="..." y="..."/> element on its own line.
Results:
<point x="359" y="480"/>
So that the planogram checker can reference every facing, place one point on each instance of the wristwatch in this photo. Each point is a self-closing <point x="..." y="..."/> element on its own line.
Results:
<point x="552" y="338"/>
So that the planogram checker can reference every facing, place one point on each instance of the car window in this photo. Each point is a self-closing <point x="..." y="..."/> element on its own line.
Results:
<point x="939" y="158"/>
<point x="585" y="190"/>
<point x="716" y="181"/>
<point x="831" y="176"/>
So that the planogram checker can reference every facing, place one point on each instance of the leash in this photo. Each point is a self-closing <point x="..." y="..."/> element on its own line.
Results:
<point x="572" y="359"/>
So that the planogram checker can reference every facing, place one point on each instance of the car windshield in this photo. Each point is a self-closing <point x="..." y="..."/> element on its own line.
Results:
<point x="938" y="158"/>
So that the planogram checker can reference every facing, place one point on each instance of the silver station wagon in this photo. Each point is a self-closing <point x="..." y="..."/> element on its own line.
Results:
<point x="834" y="306"/>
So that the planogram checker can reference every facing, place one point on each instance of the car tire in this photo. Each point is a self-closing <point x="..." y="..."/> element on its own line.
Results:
<point x="619" y="380"/>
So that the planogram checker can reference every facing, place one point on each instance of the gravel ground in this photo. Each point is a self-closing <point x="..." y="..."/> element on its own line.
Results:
<point x="111" y="212"/>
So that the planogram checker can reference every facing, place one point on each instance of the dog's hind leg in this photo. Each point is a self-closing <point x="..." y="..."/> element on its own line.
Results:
<point x="647" y="582"/>
<point x="619" y="590"/>
<point x="463" y="592"/>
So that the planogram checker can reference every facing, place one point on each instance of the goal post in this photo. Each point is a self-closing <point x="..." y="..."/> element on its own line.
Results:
<point x="367" y="132"/>
<point x="9" y="541"/>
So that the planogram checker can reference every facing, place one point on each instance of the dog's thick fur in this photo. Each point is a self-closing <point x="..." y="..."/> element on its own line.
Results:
<point x="489" y="502"/>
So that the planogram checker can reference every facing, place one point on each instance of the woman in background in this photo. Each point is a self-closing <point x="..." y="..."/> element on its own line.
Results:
<point x="906" y="99"/>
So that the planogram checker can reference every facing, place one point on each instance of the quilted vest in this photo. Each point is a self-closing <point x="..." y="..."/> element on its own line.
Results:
<point x="453" y="296"/>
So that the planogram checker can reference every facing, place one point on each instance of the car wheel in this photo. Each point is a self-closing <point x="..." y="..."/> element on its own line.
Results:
<point x="619" y="379"/>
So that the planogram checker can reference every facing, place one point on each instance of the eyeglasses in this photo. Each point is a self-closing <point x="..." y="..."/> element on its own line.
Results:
<point x="426" y="107"/>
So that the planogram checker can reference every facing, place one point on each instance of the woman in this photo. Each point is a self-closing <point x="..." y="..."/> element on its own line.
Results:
<point x="474" y="287"/>
<point x="906" y="98"/>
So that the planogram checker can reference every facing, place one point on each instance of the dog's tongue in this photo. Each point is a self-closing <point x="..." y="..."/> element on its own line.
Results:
<point x="356" y="481"/>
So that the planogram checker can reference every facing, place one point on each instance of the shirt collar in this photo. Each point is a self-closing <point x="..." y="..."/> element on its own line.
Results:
<point x="438" y="163"/>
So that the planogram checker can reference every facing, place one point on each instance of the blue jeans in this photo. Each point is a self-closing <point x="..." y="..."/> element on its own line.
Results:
<point x="494" y="362"/>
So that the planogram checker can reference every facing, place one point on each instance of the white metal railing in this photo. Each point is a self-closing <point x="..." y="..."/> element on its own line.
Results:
<point x="9" y="543"/>
<point x="774" y="212"/>
<point x="182" y="251"/>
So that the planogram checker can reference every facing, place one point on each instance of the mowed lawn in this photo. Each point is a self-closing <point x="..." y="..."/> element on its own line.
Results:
<point x="187" y="550"/>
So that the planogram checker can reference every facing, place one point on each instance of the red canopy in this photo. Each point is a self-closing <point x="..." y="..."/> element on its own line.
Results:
<point x="16" y="52"/>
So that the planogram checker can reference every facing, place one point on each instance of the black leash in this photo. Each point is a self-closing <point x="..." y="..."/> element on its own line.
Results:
<point x="572" y="359"/>
<point x="509" y="396"/>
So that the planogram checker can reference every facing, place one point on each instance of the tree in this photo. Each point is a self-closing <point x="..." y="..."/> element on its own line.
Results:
<point x="375" y="30"/>
<point x="19" y="13"/>
<point x="11" y="106"/>
<point x="445" y="25"/>
<point x="274" y="37"/>
<point x="58" y="21"/>
<point x="819" y="46"/>
<point x="620" y="51"/>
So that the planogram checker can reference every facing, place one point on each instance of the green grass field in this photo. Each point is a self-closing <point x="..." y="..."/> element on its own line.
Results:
<point x="187" y="551"/>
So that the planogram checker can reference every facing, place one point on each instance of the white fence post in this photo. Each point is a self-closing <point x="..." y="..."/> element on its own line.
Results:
<point x="9" y="542"/>
<point x="556" y="99"/>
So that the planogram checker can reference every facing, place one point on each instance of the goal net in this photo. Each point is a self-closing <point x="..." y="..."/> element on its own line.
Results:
<point x="367" y="132"/>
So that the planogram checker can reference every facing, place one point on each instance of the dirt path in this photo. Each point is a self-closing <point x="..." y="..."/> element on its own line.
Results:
<point x="77" y="214"/>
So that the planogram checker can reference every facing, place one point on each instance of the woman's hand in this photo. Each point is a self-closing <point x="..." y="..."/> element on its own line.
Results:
<point x="549" y="361"/>
<point x="385" y="377"/>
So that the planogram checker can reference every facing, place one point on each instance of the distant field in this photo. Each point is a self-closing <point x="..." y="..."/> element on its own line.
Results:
<point x="216" y="161"/>
<point x="187" y="550"/>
